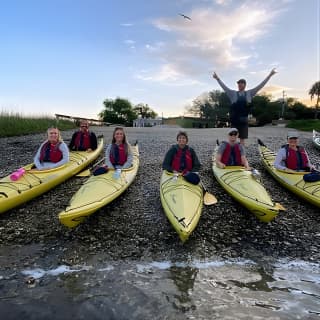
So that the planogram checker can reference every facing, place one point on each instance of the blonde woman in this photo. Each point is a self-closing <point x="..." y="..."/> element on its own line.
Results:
<point x="53" y="152"/>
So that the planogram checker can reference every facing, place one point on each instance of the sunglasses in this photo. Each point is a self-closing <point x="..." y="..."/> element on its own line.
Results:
<point x="83" y="126"/>
<point x="233" y="133"/>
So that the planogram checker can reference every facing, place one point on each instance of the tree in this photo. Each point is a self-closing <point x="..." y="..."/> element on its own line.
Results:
<point x="145" y="111"/>
<point x="212" y="106"/>
<point x="315" y="91"/>
<point x="118" y="111"/>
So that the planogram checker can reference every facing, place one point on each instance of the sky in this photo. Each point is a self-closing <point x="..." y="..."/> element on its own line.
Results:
<point x="68" y="56"/>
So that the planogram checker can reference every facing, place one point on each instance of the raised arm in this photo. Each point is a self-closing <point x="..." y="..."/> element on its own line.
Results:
<point x="255" y="90"/>
<point x="222" y="85"/>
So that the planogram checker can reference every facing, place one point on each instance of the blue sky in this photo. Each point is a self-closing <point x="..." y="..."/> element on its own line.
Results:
<point x="67" y="56"/>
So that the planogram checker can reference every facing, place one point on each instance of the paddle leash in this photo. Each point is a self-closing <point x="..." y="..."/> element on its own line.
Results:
<point x="87" y="172"/>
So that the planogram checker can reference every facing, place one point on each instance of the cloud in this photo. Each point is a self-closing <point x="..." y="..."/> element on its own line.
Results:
<point x="155" y="47"/>
<point x="126" y="24"/>
<point x="129" y="42"/>
<point x="168" y="74"/>
<point x="216" y="38"/>
<point x="222" y="2"/>
<point x="275" y="89"/>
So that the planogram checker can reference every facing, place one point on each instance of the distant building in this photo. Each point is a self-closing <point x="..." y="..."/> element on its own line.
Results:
<point x="144" y="122"/>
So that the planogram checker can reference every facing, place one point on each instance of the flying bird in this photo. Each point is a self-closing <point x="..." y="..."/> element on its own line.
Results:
<point x="183" y="15"/>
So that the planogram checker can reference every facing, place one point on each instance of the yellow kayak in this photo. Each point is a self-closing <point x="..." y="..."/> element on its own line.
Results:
<point x="182" y="203"/>
<point x="34" y="182"/>
<point x="293" y="181"/>
<point x="247" y="190"/>
<point x="97" y="192"/>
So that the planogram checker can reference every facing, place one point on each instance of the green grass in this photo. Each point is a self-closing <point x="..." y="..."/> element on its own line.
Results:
<point x="305" y="125"/>
<point x="17" y="125"/>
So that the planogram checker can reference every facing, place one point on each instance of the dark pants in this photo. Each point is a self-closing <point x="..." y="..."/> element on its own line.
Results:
<point x="242" y="128"/>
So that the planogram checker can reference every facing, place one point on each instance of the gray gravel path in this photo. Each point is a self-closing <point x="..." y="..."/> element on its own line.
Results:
<point x="134" y="225"/>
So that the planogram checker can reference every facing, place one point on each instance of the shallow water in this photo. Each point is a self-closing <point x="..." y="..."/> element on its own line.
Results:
<point x="211" y="289"/>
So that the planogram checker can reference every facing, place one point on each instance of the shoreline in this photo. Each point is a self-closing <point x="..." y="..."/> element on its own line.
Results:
<point x="135" y="227"/>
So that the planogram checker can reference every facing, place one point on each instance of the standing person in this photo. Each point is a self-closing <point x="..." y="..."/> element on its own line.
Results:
<point x="231" y="153"/>
<point x="53" y="152"/>
<point x="180" y="158"/>
<point x="83" y="139"/>
<point x="118" y="153"/>
<point x="240" y="99"/>
<point x="292" y="156"/>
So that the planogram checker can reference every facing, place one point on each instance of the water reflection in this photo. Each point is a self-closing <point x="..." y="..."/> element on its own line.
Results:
<point x="184" y="279"/>
<point x="217" y="289"/>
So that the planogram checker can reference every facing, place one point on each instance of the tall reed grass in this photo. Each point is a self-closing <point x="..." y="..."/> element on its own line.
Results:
<point x="15" y="124"/>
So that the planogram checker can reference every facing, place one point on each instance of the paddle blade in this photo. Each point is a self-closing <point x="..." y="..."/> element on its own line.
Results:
<point x="209" y="199"/>
<point x="84" y="173"/>
<point x="261" y="143"/>
<point x="280" y="207"/>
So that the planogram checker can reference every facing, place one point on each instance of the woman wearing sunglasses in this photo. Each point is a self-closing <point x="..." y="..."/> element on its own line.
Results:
<point x="291" y="156"/>
<point x="231" y="153"/>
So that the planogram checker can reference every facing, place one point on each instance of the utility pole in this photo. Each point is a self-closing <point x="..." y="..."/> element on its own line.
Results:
<point x="283" y="103"/>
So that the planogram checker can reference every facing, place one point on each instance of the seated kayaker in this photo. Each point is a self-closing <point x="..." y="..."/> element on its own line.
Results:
<point x="53" y="152"/>
<point x="291" y="156"/>
<point x="118" y="153"/>
<point x="83" y="139"/>
<point x="181" y="158"/>
<point x="231" y="153"/>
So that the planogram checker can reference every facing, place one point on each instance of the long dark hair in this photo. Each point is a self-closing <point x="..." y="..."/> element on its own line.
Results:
<point x="124" y="135"/>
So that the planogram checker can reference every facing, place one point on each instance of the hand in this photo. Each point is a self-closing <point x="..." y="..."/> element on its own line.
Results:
<point x="215" y="76"/>
<point x="89" y="150"/>
<point x="220" y="165"/>
<point x="273" y="71"/>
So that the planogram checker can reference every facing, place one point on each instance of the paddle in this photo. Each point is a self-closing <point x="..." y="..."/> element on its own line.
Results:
<point x="208" y="198"/>
<point x="87" y="172"/>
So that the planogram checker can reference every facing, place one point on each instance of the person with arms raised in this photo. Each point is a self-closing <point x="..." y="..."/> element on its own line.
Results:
<point x="240" y="99"/>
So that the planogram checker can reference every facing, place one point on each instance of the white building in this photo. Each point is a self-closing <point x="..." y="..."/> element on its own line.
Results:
<point x="144" y="122"/>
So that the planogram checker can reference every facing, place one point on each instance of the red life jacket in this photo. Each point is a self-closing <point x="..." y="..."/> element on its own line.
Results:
<point x="82" y="141"/>
<point x="226" y="156"/>
<point x="123" y="154"/>
<point x="176" y="162"/>
<point x="293" y="162"/>
<point x="50" y="152"/>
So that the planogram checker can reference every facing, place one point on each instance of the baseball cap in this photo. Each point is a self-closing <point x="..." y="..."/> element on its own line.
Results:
<point x="242" y="81"/>
<point x="292" y="134"/>
<point x="233" y="130"/>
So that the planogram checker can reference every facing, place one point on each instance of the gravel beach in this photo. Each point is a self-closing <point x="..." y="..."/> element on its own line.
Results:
<point x="134" y="225"/>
